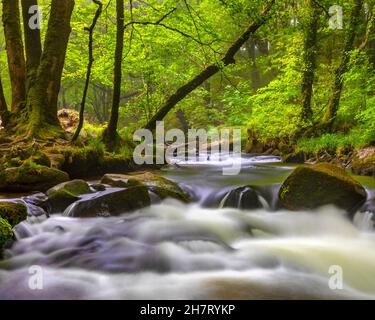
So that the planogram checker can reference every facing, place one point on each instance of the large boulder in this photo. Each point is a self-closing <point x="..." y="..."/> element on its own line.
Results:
<point x="162" y="187"/>
<point x="6" y="232"/>
<point x="310" y="187"/>
<point x="64" y="194"/>
<point x="364" y="162"/>
<point x="13" y="212"/>
<point x="110" y="203"/>
<point x="242" y="198"/>
<point x="30" y="177"/>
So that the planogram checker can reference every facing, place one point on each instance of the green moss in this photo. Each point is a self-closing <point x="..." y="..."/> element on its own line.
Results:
<point x="364" y="166"/>
<point x="72" y="188"/>
<point x="13" y="212"/>
<point x="40" y="158"/>
<point x="6" y="232"/>
<point x="163" y="187"/>
<point x="31" y="177"/>
<point x="15" y="162"/>
<point x="309" y="187"/>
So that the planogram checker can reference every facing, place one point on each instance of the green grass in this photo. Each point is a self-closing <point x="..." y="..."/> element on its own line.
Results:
<point x="332" y="142"/>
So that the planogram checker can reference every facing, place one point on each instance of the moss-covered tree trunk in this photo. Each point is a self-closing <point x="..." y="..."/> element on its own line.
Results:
<point x="15" y="53"/>
<point x="110" y="134"/>
<point x="43" y="94"/>
<point x="351" y="32"/>
<point x="33" y="45"/>
<point x="309" y="58"/>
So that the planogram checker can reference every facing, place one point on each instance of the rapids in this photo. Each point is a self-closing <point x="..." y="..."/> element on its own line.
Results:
<point x="198" y="251"/>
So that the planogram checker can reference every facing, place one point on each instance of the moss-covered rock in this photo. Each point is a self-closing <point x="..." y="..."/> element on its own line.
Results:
<point x="309" y="187"/>
<point x="30" y="177"/>
<point x="40" y="158"/>
<point x="163" y="187"/>
<point x="82" y="162"/>
<point x="110" y="203"/>
<point x="6" y="232"/>
<point x="64" y="194"/>
<point x="98" y="186"/>
<point x="13" y="212"/>
<point x="364" y="162"/>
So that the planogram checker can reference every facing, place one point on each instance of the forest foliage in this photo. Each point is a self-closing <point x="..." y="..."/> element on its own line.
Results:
<point x="167" y="43"/>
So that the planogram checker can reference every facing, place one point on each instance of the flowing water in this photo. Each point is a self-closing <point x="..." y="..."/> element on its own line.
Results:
<point x="198" y="251"/>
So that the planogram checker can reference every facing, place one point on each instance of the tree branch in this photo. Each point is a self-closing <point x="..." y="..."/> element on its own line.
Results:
<point x="207" y="73"/>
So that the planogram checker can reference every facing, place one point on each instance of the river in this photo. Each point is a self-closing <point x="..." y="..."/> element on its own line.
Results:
<point x="200" y="250"/>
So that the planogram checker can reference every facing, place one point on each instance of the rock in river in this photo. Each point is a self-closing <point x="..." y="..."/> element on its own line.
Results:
<point x="242" y="198"/>
<point x="13" y="212"/>
<point x="310" y="187"/>
<point x="64" y="194"/>
<point x="111" y="202"/>
<point x="6" y="232"/>
<point x="163" y="187"/>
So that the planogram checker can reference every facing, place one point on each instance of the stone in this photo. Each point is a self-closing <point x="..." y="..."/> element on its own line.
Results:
<point x="313" y="186"/>
<point x="64" y="194"/>
<point x="13" y="212"/>
<point x="163" y="187"/>
<point x="30" y="177"/>
<point x="110" y="203"/>
<point x="242" y="198"/>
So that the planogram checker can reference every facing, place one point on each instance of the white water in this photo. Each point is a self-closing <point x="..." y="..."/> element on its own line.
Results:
<point x="177" y="251"/>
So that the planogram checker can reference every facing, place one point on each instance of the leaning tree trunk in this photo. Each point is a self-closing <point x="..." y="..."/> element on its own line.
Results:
<point x="33" y="45"/>
<point x="110" y="134"/>
<point x="211" y="70"/>
<point x="15" y="54"/>
<point x="89" y="67"/>
<point x="43" y="94"/>
<point x="309" y="59"/>
<point x="334" y="103"/>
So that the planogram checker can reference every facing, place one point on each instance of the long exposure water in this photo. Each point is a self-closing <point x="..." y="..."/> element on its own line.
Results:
<point x="200" y="250"/>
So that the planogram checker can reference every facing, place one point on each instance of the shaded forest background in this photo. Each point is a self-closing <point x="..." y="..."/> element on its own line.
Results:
<point x="295" y="80"/>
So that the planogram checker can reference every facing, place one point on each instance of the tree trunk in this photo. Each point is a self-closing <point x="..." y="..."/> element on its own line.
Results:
<point x="43" y="94"/>
<point x="183" y="121"/>
<point x="15" y="54"/>
<point x="110" y="135"/>
<point x="211" y="70"/>
<point x="370" y="37"/>
<point x="309" y="59"/>
<point x="33" y="45"/>
<point x="89" y="67"/>
<point x="255" y="74"/>
<point x="3" y="103"/>
<point x="334" y="103"/>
